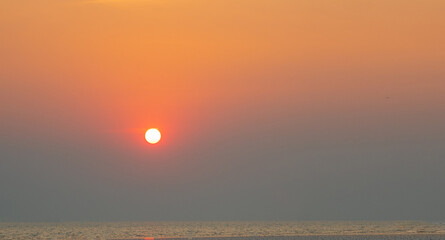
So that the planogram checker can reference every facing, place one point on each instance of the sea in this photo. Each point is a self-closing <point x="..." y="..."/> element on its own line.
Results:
<point x="401" y="230"/>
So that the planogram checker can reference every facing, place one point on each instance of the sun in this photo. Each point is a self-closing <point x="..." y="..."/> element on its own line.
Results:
<point x="153" y="135"/>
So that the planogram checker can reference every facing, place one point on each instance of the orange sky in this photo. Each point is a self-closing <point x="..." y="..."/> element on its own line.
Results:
<point x="207" y="72"/>
<point x="126" y="56"/>
<point x="112" y="66"/>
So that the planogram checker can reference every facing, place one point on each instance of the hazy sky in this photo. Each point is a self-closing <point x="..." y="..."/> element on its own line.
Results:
<point x="269" y="110"/>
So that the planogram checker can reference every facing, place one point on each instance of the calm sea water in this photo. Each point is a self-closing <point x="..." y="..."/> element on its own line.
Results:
<point x="227" y="230"/>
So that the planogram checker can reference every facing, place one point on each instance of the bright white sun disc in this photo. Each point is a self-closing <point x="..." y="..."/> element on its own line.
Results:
<point x="153" y="135"/>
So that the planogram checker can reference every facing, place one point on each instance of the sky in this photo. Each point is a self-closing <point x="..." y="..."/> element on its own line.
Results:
<point x="269" y="110"/>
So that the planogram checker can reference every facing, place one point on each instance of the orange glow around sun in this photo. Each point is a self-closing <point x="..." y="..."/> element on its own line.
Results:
<point x="152" y="135"/>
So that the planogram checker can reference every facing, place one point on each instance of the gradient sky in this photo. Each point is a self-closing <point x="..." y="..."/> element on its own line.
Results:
<point x="269" y="110"/>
